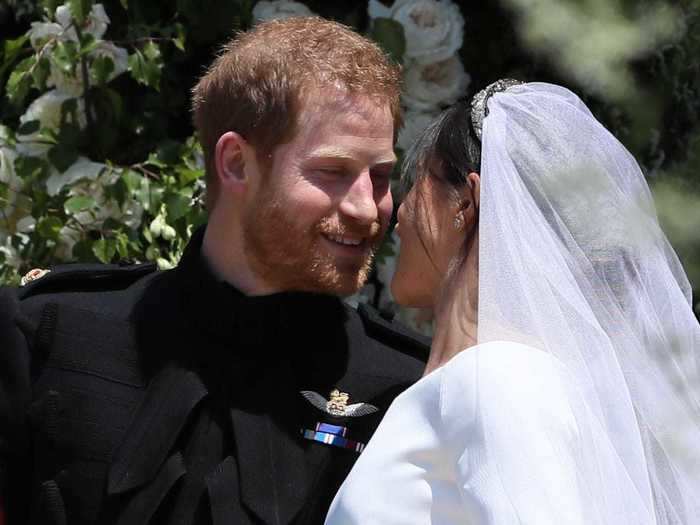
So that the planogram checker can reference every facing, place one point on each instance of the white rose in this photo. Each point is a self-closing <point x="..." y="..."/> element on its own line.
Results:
<point x="434" y="29"/>
<point x="83" y="168"/>
<point x="96" y="23"/>
<point x="429" y="86"/>
<point x="279" y="10"/>
<point x="42" y="31"/>
<point x="414" y="123"/>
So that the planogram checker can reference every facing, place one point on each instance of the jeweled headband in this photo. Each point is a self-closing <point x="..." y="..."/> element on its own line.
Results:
<point x="479" y="108"/>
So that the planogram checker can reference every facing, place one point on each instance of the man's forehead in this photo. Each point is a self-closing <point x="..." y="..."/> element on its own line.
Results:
<point x="339" y="107"/>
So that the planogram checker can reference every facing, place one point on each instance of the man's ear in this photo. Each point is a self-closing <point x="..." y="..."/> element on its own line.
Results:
<point x="230" y="159"/>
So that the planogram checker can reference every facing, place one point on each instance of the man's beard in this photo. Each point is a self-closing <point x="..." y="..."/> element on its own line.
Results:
<point x="295" y="259"/>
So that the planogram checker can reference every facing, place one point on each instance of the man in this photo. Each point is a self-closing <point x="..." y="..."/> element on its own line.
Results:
<point x="237" y="388"/>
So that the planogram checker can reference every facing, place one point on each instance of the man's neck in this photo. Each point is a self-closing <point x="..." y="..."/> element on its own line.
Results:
<point x="222" y="249"/>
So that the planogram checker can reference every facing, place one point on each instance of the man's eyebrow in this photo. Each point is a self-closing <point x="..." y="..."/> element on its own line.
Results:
<point x="333" y="153"/>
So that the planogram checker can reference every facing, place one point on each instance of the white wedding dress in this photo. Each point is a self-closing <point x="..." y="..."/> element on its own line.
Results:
<point x="489" y="438"/>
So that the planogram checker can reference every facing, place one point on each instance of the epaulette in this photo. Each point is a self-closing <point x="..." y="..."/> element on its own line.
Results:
<point x="394" y="334"/>
<point x="82" y="277"/>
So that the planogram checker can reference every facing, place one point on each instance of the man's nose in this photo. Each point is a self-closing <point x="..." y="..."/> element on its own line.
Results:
<point x="358" y="203"/>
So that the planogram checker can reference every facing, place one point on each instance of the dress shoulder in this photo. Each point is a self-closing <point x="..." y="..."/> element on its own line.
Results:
<point x="506" y="411"/>
<point x="499" y="382"/>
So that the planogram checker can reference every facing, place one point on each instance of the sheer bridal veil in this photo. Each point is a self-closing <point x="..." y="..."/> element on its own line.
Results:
<point x="572" y="261"/>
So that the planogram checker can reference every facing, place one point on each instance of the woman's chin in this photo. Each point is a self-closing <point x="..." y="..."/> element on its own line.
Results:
<point x="409" y="296"/>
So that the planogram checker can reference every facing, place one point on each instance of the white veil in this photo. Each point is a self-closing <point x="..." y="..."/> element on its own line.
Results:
<point x="572" y="261"/>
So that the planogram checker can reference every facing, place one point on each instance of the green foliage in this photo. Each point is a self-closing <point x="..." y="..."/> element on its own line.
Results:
<point x="390" y="35"/>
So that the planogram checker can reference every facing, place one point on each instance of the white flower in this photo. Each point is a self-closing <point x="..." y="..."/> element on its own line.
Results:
<point x="83" y="168"/>
<point x="279" y="10"/>
<point x="95" y="24"/>
<point x="42" y="31"/>
<point x="25" y="224"/>
<point x="7" y="167"/>
<point x="119" y="56"/>
<point x="130" y="213"/>
<point x="12" y="258"/>
<point x="434" y="29"/>
<point x="429" y="86"/>
<point x="414" y="123"/>
<point x="47" y="110"/>
<point x="65" y="83"/>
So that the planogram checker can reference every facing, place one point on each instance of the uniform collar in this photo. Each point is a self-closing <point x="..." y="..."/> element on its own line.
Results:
<point x="223" y="311"/>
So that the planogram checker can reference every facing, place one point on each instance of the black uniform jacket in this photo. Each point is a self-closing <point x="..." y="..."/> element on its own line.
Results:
<point x="133" y="396"/>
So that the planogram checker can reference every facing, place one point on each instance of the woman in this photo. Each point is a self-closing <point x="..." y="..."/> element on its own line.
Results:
<point x="558" y="388"/>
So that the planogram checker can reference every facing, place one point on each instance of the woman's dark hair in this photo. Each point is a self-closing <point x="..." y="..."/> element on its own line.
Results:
<point x="451" y="142"/>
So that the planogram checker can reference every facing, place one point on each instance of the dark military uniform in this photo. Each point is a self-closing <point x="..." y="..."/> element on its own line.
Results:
<point x="135" y="396"/>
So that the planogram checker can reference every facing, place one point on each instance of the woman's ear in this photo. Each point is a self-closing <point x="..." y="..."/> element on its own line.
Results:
<point x="469" y="199"/>
<point x="230" y="162"/>
<point x="474" y="181"/>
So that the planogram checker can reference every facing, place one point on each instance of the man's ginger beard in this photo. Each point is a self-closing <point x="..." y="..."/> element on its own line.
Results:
<point x="287" y="258"/>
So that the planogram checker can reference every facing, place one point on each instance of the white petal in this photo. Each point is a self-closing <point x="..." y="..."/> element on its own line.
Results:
<point x="83" y="168"/>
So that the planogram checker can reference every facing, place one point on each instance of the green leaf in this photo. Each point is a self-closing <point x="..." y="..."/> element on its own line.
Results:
<point x="122" y="245"/>
<point x="104" y="249"/>
<point x="65" y="56"/>
<point x="11" y="51"/>
<point x="20" y="81"/>
<point x="41" y="72"/>
<point x="133" y="179"/>
<point x="88" y="43"/>
<point x="389" y="34"/>
<point x="179" y="39"/>
<point x="102" y="66"/>
<point x="50" y="5"/>
<point x="62" y="156"/>
<point x="29" y="127"/>
<point x="188" y="175"/>
<point x="125" y="4"/>
<point x="50" y="227"/>
<point x="80" y="9"/>
<point x="79" y="203"/>
<point x="178" y="204"/>
<point x="146" y="66"/>
<point x="30" y="169"/>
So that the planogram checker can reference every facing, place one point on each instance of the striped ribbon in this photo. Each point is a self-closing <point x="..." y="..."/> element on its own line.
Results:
<point x="332" y="435"/>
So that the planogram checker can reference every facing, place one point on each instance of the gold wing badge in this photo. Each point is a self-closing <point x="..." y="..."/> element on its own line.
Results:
<point x="337" y="405"/>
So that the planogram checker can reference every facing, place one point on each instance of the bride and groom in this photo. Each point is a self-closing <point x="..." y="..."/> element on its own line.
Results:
<point x="557" y="390"/>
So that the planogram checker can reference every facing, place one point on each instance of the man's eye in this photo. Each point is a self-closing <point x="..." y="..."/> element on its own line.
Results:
<point x="331" y="171"/>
